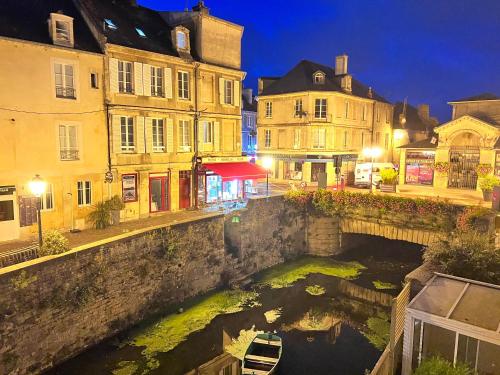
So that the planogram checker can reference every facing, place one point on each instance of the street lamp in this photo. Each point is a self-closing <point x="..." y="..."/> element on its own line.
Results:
<point x="372" y="153"/>
<point x="37" y="186"/>
<point x="267" y="163"/>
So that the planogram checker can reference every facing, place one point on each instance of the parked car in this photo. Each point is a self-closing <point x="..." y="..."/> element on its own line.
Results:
<point x="362" y="173"/>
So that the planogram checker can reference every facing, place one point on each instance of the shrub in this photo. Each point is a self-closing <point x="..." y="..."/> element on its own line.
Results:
<point x="466" y="253"/>
<point x="54" y="243"/>
<point x="388" y="176"/>
<point x="115" y="203"/>
<point x="484" y="169"/>
<point x="439" y="366"/>
<point x="487" y="183"/>
<point x="300" y="197"/>
<point x="100" y="217"/>
<point x="442" y="167"/>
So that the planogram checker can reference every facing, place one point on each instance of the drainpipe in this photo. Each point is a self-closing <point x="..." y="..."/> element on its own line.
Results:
<point x="196" y="135"/>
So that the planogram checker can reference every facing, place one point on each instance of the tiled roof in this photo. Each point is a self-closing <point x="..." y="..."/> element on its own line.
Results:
<point x="27" y="20"/>
<point x="424" y="143"/>
<point x="484" y="96"/>
<point x="127" y="18"/>
<point x="300" y="78"/>
<point x="413" y="120"/>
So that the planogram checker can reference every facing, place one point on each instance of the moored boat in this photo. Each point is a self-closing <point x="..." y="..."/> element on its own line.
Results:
<point x="263" y="355"/>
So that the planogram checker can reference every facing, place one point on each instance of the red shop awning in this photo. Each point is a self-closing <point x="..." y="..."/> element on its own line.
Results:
<point x="237" y="170"/>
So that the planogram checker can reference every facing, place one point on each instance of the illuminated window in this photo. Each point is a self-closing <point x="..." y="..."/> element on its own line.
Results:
<point x="181" y="40"/>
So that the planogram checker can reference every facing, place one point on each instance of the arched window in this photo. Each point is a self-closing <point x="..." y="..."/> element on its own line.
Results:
<point x="319" y="78"/>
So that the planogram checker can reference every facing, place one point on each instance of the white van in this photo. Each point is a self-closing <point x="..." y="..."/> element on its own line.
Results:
<point x="362" y="173"/>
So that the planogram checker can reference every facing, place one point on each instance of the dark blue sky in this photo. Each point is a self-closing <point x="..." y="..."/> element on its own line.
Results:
<point x="431" y="51"/>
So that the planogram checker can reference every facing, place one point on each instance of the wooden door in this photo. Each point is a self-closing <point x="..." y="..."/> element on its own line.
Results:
<point x="184" y="189"/>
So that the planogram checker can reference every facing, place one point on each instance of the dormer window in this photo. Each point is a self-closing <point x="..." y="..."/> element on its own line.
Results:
<point x="61" y="29"/>
<point x="319" y="78"/>
<point x="110" y="24"/>
<point x="180" y="35"/>
<point x="140" y="32"/>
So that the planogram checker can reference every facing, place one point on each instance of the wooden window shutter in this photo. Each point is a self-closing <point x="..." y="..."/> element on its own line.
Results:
<point x="216" y="136"/>
<point x="170" y="135"/>
<point x="168" y="83"/>
<point x="149" y="134"/>
<point x="221" y="90"/>
<point x="237" y="94"/>
<point x="138" y="81"/>
<point x="146" y="69"/>
<point x="139" y="135"/>
<point x="116" y="139"/>
<point x="113" y="75"/>
<point x="200" y="135"/>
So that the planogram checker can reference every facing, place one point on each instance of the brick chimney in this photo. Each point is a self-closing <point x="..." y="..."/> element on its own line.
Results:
<point x="341" y="65"/>
<point x="346" y="83"/>
<point x="424" y="111"/>
<point x="200" y="7"/>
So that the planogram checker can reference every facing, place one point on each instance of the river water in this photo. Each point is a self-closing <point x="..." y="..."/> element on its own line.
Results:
<point x="326" y="329"/>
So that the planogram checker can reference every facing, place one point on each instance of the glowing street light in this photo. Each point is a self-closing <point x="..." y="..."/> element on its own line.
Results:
<point x="372" y="153"/>
<point x="37" y="186"/>
<point x="267" y="163"/>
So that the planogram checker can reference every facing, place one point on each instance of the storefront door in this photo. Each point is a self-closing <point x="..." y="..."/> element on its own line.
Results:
<point x="9" y="219"/>
<point x="316" y="169"/>
<point x="184" y="189"/>
<point x="463" y="164"/>
<point x="158" y="193"/>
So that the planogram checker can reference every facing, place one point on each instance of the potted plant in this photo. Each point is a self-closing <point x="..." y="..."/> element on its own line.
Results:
<point x="483" y="170"/>
<point x="388" y="180"/>
<point x="486" y="184"/>
<point x="442" y="167"/>
<point x="114" y="206"/>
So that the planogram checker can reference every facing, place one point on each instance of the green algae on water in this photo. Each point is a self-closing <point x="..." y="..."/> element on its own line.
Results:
<point x="315" y="290"/>
<point x="170" y="331"/>
<point x="273" y="315"/>
<point x="381" y="285"/>
<point x="285" y="275"/>
<point x="378" y="330"/>
<point x="126" y="368"/>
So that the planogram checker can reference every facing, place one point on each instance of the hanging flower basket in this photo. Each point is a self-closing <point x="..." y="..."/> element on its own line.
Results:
<point x="442" y="167"/>
<point x="483" y="170"/>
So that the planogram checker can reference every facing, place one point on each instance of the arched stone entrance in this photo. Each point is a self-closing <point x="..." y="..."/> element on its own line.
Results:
<point x="464" y="159"/>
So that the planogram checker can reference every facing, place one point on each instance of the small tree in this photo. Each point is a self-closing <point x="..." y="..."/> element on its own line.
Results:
<point x="53" y="243"/>
<point x="466" y="253"/>
<point x="100" y="216"/>
<point x="439" y="366"/>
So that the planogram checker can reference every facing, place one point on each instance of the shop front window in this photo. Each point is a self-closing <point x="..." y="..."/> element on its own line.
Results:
<point x="419" y="168"/>
<point x="213" y="188"/>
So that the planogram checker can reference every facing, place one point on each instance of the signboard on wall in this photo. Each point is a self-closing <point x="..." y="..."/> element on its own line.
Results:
<point x="129" y="187"/>
<point x="7" y="190"/>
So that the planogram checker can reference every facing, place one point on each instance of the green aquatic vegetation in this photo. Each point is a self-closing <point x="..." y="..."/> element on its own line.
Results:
<point x="273" y="315"/>
<point x="170" y="331"/>
<point x="286" y="274"/>
<point x="315" y="290"/>
<point x="383" y="285"/>
<point x="125" y="368"/>
<point x="378" y="330"/>
<point x="239" y="346"/>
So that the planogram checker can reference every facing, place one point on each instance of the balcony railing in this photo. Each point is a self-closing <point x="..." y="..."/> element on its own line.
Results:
<point x="69" y="154"/>
<point x="310" y="117"/>
<point x="65" y="92"/>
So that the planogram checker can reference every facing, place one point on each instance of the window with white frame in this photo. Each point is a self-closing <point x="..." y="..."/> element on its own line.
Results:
<point x="157" y="81"/>
<point x="318" y="138"/>
<point x="157" y="125"/>
<point x="296" y="138"/>
<point x="269" y="109"/>
<point x="47" y="198"/>
<point x="228" y="91"/>
<point x="84" y="189"/>
<point x="184" y="135"/>
<point x="64" y="80"/>
<point x="298" y="108"/>
<point x="267" y="138"/>
<point x="320" y="108"/>
<point x="208" y="129"/>
<point x="319" y="78"/>
<point x="125" y="72"/>
<point x="127" y="133"/>
<point x="346" y="111"/>
<point x="183" y="85"/>
<point x="68" y="142"/>
<point x="61" y="29"/>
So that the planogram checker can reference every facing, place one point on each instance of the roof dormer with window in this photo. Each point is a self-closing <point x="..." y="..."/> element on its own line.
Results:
<point x="61" y="30"/>
<point x="319" y="78"/>
<point x="180" y="38"/>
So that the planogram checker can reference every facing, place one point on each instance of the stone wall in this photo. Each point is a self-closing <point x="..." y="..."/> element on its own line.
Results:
<point x="53" y="308"/>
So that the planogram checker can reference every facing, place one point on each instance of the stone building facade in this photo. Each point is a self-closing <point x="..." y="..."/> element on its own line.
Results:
<point x="317" y="117"/>
<point x="249" y="123"/>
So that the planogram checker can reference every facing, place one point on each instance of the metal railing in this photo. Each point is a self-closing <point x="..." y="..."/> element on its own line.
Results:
<point x="11" y="257"/>
<point x="69" y="154"/>
<point x="65" y="92"/>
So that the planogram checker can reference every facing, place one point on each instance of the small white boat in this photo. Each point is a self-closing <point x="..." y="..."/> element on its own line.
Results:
<point x="263" y="355"/>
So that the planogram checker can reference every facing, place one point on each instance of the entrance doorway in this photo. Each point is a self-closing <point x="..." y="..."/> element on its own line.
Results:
<point x="9" y="219"/>
<point x="158" y="193"/>
<point x="463" y="164"/>
<point x="316" y="169"/>
<point x="184" y="189"/>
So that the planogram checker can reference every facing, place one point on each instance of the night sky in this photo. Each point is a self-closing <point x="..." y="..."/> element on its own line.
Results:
<point x="431" y="51"/>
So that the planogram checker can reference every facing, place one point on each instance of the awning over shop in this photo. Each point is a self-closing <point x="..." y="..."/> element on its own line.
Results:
<point x="237" y="170"/>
